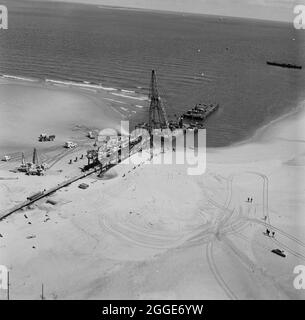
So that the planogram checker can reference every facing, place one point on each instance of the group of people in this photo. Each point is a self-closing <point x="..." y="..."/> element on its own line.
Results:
<point x="76" y="159"/>
<point x="270" y="233"/>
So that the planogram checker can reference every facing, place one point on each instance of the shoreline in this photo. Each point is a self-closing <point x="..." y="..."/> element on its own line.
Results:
<point x="261" y="131"/>
<point x="259" y="134"/>
<point x="67" y="109"/>
<point x="86" y="87"/>
<point x="81" y="84"/>
<point x="145" y="219"/>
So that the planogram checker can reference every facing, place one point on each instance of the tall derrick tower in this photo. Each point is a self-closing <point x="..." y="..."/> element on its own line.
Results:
<point x="157" y="114"/>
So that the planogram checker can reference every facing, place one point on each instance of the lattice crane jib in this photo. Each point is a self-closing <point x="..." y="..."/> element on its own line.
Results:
<point x="157" y="113"/>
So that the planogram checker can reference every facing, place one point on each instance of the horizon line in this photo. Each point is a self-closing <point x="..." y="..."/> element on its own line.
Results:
<point x="105" y="6"/>
<point x="140" y="8"/>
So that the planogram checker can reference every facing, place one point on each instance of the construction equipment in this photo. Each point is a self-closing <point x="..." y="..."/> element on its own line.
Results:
<point x="70" y="145"/>
<point x="23" y="166"/>
<point x="83" y="186"/>
<point x="93" y="161"/>
<point x="32" y="168"/>
<point x="157" y="114"/>
<point x="90" y="135"/>
<point x="6" y="158"/>
<point x="44" y="137"/>
<point x="35" y="170"/>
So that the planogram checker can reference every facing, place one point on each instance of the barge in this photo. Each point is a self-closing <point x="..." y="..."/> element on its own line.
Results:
<point x="201" y="111"/>
<point x="284" y="65"/>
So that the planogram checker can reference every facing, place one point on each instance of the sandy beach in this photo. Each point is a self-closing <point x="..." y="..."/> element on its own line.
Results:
<point x="148" y="231"/>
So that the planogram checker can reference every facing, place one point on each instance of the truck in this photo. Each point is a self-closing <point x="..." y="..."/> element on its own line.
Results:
<point x="90" y="135"/>
<point x="70" y="145"/>
<point x="44" y="137"/>
<point x="6" y="158"/>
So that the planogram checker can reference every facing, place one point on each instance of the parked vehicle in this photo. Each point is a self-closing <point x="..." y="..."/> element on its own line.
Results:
<point x="91" y="135"/>
<point x="70" y="145"/>
<point x="83" y="186"/>
<point x="6" y="158"/>
<point x="44" y="137"/>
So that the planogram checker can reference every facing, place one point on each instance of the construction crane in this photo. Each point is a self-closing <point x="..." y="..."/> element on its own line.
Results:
<point x="23" y="167"/>
<point x="34" y="167"/>
<point x="157" y="115"/>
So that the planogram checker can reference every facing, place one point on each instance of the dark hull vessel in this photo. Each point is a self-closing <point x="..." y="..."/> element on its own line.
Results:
<point x="200" y="111"/>
<point x="284" y="65"/>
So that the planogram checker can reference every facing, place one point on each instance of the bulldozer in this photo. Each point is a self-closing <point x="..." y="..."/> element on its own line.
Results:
<point x="44" y="137"/>
<point x="91" y="135"/>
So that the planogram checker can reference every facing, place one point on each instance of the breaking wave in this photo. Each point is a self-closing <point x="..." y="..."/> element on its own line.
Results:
<point x="7" y="76"/>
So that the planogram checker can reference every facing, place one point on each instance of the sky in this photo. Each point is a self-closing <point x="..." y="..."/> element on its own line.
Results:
<point x="281" y="10"/>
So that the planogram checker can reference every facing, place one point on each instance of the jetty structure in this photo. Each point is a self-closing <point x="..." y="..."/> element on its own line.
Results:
<point x="158" y="118"/>
<point x="117" y="148"/>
